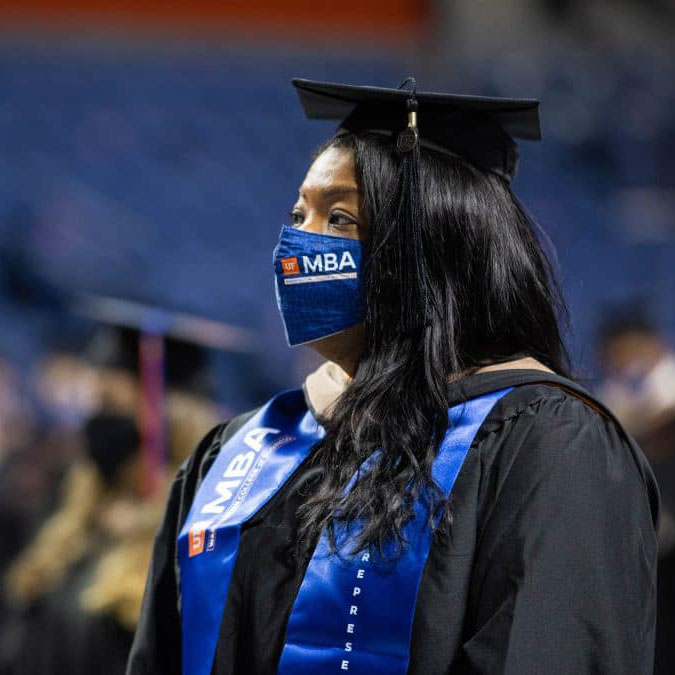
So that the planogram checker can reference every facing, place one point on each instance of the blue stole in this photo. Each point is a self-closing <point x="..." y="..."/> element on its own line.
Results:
<point x="352" y="612"/>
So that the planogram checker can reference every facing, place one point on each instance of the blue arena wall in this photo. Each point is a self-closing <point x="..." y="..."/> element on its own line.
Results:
<point x="164" y="176"/>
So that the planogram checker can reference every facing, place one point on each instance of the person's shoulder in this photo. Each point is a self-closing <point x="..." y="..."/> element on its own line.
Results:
<point x="556" y="450"/>
<point x="544" y="424"/>
<point x="539" y="405"/>
<point x="548" y="429"/>
<point x="196" y="466"/>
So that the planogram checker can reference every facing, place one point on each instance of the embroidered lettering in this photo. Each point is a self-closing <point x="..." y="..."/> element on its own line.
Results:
<point x="360" y="573"/>
<point x="326" y="262"/>
<point x="347" y="261"/>
<point x="348" y="646"/>
<point x="350" y="627"/>
<point x="365" y="557"/>
<point x="330" y="262"/>
<point x="353" y="610"/>
<point x="310" y="266"/>
<point x="356" y="591"/>
<point x="345" y="665"/>
<point x="254" y="438"/>
<point x="239" y="465"/>
<point x="224" y="489"/>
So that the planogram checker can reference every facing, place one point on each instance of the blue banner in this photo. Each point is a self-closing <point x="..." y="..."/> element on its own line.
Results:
<point x="354" y="614"/>
<point x="249" y="470"/>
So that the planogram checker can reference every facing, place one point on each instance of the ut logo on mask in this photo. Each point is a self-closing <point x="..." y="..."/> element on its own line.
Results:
<point x="290" y="266"/>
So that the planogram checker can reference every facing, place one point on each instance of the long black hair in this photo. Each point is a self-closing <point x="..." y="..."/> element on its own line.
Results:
<point x="489" y="295"/>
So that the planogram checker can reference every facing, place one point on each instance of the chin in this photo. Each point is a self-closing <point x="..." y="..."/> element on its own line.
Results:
<point x="343" y="348"/>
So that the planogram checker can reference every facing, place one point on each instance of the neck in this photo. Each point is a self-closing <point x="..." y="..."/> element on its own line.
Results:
<point x="342" y="349"/>
<point x="324" y="386"/>
<point x="527" y="363"/>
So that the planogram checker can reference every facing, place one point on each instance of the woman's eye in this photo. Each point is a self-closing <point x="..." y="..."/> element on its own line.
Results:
<point x="342" y="221"/>
<point x="296" y="218"/>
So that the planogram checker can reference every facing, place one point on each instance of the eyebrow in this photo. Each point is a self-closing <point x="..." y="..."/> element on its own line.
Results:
<point x="333" y="191"/>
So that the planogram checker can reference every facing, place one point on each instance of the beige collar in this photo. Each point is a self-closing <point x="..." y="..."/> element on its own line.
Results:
<point x="528" y="363"/>
<point x="324" y="386"/>
<point x="328" y="381"/>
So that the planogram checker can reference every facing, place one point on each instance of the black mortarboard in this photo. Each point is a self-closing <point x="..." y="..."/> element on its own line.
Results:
<point x="114" y="348"/>
<point x="478" y="129"/>
<point x="186" y="367"/>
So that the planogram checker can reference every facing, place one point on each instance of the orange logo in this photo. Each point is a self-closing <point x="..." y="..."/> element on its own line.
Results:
<point x="290" y="266"/>
<point x="195" y="542"/>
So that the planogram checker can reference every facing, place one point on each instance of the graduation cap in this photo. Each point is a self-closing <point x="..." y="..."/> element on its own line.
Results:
<point x="119" y="348"/>
<point x="478" y="129"/>
<point x="163" y="348"/>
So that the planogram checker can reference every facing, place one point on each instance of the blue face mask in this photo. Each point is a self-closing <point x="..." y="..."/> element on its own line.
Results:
<point x="318" y="284"/>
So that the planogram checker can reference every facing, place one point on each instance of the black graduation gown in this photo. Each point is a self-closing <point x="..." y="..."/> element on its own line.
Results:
<point x="664" y="661"/>
<point x="551" y="566"/>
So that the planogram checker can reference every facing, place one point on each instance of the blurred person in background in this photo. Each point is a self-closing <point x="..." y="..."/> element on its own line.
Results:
<point x="64" y="381"/>
<point x="15" y="421"/>
<point x="438" y="497"/>
<point x="37" y="446"/>
<point x="56" y="398"/>
<point x="51" y="583"/>
<point x="22" y="484"/>
<point x="639" y="367"/>
<point x="77" y="589"/>
<point x="42" y="413"/>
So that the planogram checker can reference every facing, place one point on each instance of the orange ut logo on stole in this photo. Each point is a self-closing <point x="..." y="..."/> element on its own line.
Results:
<point x="290" y="266"/>
<point x="195" y="542"/>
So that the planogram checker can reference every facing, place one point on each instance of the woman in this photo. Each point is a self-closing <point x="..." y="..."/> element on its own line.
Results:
<point x="438" y="498"/>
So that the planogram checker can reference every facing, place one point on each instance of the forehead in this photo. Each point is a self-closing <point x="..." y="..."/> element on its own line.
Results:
<point x="333" y="166"/>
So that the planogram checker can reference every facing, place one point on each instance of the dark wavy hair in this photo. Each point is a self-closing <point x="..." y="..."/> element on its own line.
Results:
<point x="489" y="296"/>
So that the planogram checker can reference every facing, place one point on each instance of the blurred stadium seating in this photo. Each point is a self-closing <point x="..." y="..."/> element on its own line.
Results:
<point x="164" y="176"/>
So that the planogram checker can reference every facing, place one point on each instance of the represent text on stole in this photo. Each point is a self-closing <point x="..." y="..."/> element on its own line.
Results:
<point x="354" y="610"/>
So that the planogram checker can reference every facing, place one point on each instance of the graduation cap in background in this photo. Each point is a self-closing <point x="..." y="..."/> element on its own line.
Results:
<point x="186" y="363"/>
<point x="164" y="349"/>
<point x="476" y="129"/>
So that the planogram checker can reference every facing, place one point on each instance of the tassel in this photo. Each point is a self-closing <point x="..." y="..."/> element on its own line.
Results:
<point x="414" y="275"/>
<point x="401" y="250"/>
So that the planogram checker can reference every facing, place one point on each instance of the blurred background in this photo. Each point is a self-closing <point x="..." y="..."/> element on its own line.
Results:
<point x="150" y="152"/>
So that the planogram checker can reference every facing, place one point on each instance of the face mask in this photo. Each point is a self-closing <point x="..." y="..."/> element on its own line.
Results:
<point x="318" y="284"/>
